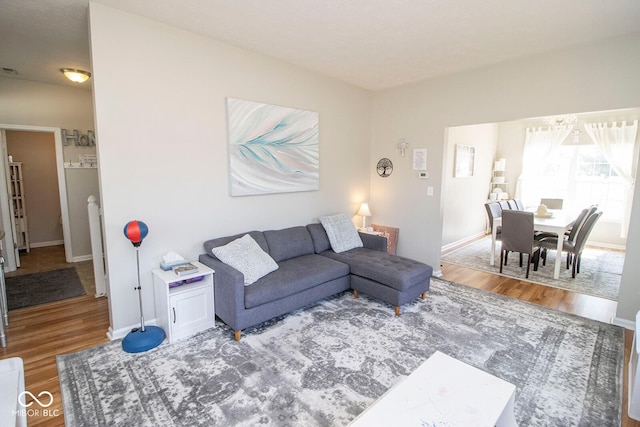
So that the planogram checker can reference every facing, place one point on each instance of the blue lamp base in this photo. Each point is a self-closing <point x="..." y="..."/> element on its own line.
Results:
<point x="138" y="341"/>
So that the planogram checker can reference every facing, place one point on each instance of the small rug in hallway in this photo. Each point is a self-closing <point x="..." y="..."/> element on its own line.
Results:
<point x="600" y="270"/>
<point x="324" y="365"/>
<point x="40" y="288"/>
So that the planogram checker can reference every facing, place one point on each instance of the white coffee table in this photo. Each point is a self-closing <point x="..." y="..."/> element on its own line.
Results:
<point x="11" y="387"/>
<point x="444" y="392"/>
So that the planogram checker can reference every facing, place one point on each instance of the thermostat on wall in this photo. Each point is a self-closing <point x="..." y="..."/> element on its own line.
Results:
<point x="423" y="175"/>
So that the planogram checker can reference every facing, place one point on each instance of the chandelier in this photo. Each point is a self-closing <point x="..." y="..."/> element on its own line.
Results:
<point x="560" y="122"/>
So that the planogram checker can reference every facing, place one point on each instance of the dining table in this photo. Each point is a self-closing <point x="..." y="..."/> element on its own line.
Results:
<point x="555" y="221"/>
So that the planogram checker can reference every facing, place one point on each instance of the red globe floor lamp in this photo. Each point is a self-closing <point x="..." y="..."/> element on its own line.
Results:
<point x="142" y="338"/>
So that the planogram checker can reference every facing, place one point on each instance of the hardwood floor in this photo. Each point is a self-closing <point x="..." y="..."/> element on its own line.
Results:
<point x="38" y="334"/>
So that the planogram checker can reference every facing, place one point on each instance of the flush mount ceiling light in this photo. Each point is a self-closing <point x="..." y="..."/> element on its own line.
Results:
<point x="76" y="76"/>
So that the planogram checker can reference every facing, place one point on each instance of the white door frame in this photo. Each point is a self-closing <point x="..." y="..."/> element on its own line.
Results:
<point x="62" y="189"/>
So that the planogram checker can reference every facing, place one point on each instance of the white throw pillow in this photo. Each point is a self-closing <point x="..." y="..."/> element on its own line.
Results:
<point x="246" y="256"/>
<point x="341" y="232"/>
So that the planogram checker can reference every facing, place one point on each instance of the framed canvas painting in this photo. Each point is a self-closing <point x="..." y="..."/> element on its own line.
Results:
<point x="465" y="157"/>
<point x="272" y="149"/>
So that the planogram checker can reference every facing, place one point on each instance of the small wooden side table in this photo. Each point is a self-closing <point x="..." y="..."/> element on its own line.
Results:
<point x="391" y="233"/>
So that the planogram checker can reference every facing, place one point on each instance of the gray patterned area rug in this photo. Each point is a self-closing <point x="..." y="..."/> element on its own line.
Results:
<point x="324" y="365"/>
<point x="600" y="270"/>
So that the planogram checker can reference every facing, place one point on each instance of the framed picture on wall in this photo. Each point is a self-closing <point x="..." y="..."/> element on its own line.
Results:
<point x="272" y="149"/>
<point x="464" y="159"/>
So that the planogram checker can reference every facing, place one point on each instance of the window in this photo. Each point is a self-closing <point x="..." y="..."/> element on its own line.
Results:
<point x="591" y="163"/>
<point x="581" y="176"/>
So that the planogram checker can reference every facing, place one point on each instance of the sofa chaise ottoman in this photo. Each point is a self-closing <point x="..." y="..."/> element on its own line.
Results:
<point x="390" y="278"/>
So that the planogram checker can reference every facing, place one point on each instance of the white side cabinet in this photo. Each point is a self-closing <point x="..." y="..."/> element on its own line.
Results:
<point x="185" y="309"/>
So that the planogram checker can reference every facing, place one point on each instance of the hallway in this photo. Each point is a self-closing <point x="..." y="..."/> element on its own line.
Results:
<point x="52" y="258"/>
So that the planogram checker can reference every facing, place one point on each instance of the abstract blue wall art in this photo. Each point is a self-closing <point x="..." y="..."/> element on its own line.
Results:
<point x="272" y="149"/>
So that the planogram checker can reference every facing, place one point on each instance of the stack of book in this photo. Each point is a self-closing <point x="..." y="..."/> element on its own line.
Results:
<point x="184" y="269"/>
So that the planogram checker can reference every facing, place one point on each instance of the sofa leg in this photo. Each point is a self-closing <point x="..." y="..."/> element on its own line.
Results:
<point x="397" y="310"/>
<point x="423" y="295"/>
<point x="355" y="293"/>
<point x="237" y="335"/>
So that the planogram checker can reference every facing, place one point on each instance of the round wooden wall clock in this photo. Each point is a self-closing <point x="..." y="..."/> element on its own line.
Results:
<point x="384" y="167"/>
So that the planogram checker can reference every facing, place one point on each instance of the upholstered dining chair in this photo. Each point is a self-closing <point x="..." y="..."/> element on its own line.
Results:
<point x="494" y="211"/>
<point x="570" y="234"/>
<point x="517" y="236"/>
<point x="552" y="203"/>
<point x="592" y="210"/>
<point x="504" y="205"/>
<point x="519" y="204"/>
<point x="573" y="248"/>
<point x="512" y="204"/>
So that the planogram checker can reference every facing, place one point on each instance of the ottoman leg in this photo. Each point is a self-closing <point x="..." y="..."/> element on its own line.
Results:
<point x="237" y="335"/>
<point x="397" y="310"/>
<point x="355" y="293"/>
<point x="423" y="295"/>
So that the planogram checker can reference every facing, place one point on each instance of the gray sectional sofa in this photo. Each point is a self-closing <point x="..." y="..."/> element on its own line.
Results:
<point x="308" y="270"/>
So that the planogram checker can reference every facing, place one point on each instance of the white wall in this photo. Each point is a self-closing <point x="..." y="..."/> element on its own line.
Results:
<point x="596" y="77"/>
<point x="24" y="102"/>
<point x="160" y="105"/>
<point x="463" y="199"/>
<point x="510" y="146"/>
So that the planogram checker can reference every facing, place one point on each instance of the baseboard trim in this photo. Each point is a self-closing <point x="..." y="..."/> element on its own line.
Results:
<point x="627" y="324"/>
<point x="45" y="244"/>
<point x="122" y="332"/>
<point x="462" y="241"/>
<point x="82" y="258"/>
<point x="607" y="246"/>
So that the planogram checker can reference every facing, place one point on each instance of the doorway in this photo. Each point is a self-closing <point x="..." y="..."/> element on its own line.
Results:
<point x="502" y="144"/>
<point x="60" y="220"/>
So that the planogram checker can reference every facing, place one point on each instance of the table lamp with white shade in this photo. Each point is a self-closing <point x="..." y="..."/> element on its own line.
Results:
<point x="364" y="212"/>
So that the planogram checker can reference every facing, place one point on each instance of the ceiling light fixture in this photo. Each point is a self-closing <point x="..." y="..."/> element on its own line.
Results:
<point x="76" y="76"/>
<point x="560" y="122"/>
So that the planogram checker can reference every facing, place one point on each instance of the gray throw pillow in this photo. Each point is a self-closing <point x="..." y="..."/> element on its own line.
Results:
<point x="341" y="232"/>
<point x="246" y="256"/>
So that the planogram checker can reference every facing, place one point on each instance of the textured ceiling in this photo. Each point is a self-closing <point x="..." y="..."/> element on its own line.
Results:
<point x="374" y="44"/>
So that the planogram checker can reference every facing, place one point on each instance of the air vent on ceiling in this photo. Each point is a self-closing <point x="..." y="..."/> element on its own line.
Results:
<point x="7" y="70"/>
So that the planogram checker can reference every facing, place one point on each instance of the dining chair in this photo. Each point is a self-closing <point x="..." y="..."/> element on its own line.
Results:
<point x="552" y="203"/>
<point x="512" y="204"/>
<point x="573" y="248"/>
<point x="519" y="204"/>
<point x="517" y="236"/>
<point x="504" y="205"/>
<point x="569" y="235"/>
<point x="494" y="211"/>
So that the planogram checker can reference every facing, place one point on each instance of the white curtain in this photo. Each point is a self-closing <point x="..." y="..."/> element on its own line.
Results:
<point x="617" y="143"/>
<point x="539" y="143"/>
